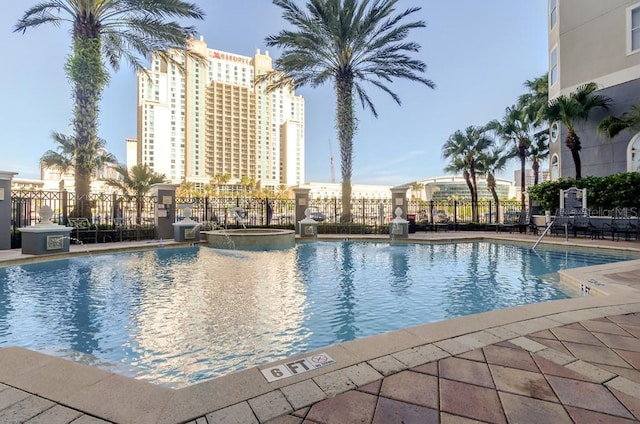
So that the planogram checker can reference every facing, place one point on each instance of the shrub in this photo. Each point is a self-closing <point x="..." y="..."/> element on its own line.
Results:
<point x="603" y="193"/>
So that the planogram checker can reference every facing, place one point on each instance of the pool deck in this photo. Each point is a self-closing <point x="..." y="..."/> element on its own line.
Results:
<point x="564" y="361"/>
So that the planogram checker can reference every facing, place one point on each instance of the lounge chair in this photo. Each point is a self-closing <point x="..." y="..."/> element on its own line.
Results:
<point x="561" y="223"/>
<point x="621" y="225"/>
<point x="581" y="223"/>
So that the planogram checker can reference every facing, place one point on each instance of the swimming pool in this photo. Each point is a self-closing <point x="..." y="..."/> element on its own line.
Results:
<point x="176" y="316"/>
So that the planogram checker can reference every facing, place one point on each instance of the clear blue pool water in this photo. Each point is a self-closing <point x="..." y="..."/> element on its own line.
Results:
<point x="175" y="316"/>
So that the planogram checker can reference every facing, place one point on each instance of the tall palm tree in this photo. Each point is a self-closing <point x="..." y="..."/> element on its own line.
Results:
<point x="537" y="152"/>
<point x="516" y="129"/>
<point x="490" y="161"/>
<point x="462" y="150"/>
<point x="533" y="103"/>
<point x="106" y="30"/>
<point x="630" y="120"/>
<point x="348" y="43"/>
<point x="574" y="107"/>
<point x="136" y="182"/>
<point x="63" y="158"/>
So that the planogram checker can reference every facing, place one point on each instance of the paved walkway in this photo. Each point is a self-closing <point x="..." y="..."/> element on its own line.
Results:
<point x="575" y="360"/>
<point x="585" y="372"/>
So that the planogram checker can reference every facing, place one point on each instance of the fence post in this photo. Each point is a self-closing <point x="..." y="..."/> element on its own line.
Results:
<point x="431" y="219"/>
<point x="455" y="215"/>
<point x="65" y="206"/>
<point x="491" y="213"/>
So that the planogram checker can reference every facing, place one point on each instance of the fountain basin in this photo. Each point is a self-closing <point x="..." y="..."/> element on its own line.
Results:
<point x="251" y="239"/>
<point x="45" y="238"/>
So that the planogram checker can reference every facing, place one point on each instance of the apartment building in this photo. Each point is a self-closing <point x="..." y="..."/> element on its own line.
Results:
<point x="595" y="41"/>
<point x="198" y="118"/>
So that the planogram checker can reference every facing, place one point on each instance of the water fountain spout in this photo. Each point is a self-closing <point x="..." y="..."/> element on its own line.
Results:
<point x="237" y="215"/>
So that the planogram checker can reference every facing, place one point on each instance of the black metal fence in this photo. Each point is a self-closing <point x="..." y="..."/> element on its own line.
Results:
<point x="132" y="215"/>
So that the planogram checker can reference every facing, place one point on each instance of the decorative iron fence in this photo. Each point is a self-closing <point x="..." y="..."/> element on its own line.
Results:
<point x="115" y="214"/>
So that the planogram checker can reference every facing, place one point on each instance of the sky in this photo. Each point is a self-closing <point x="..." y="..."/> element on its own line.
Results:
<point x="478" y="53"/>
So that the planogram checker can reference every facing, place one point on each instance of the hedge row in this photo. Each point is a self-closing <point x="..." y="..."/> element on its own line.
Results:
<point x="606" y="193"/>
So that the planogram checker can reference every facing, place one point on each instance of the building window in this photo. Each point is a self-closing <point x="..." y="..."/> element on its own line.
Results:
<point x="633" y="154"/>
<point x="553" y="13"/>
<point x="553" y="66"/>
<point x="633" y="24"/>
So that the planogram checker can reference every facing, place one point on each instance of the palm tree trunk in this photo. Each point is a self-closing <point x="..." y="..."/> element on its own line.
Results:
<point x="346" y="123"/>
<point x="536" y="172"/>
<point x="138" y="209"/>
<point x="474" y="195"/>
<point x="88" y="76"/>
<point x="491" y="184"/>
<point x="467" y="179"/>
<point x="573" y="143"/>
<point x="523" y="159"/>
<point x="575" y="154"/>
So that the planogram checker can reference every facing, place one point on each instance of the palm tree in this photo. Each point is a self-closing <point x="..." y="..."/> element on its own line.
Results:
<point x="574" y="107"/>
<point x="630" y="120"/>
<point x="137" y="182"/>
<point x="416" y="187"/>
<point x="248" y="185"/>
<point x="516" y="129"/>
<point x="347" y="42"/>
<point x="537" y="152"/>
<point x="219" y="180"/>
<point x="462" y="150"/>
<point x="109" y="30"/>
<point x="209" y="190"/>
<point x="63" y="159"/>
<point x="187" y="189"/>
<point x="282" y="191"/>
<point x="534" y="102"/>
<point x="489" y="162"/>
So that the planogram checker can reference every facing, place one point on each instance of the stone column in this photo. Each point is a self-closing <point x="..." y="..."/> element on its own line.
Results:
<point x="5" y="209"/>
<point x="165" y="210"/>
<point x="302" y="203"/>
<point x="399" y="200"/>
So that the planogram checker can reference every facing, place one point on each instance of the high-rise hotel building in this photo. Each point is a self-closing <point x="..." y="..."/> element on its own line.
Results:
<point x="202" y="118"/>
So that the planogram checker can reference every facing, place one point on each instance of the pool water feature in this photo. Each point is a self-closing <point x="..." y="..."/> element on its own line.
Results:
<point x="175" y="316"/>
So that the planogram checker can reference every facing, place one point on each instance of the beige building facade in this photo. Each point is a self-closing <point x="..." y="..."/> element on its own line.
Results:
<point x="218" y="118"/>
<point x="595" y="41"/>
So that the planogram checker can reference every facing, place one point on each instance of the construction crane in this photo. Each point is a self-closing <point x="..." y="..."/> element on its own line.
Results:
<point x="333" y="168"/>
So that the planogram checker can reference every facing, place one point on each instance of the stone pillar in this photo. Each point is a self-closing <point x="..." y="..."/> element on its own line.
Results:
<point x="302" y="203"/>
<point x="165" y="209"/>
<point x="5" y="209"/>
<point x="399" y="200"/>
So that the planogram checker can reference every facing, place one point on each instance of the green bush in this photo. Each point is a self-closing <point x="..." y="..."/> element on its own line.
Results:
<point x="603" y="193"/>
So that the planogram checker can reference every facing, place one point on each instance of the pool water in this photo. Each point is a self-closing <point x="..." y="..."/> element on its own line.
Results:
<point x="175" y="316"/>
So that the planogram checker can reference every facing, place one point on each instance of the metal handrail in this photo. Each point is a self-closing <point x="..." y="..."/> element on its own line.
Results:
<point x="543" y="234"/>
